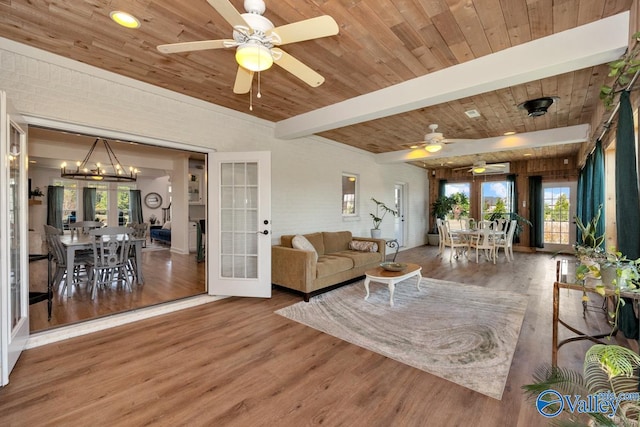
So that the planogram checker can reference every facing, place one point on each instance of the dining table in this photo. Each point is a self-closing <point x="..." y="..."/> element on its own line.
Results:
<point x="75" y="242"/>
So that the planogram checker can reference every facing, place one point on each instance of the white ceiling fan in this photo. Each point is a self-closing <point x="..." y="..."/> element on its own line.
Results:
<point x="255" y="38"/>
<point x="434" y="141"/>
<point x="483" y="168"/>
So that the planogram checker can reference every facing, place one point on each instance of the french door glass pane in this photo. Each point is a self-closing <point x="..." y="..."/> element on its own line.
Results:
<point x="239" y="220"/>
<point x="16" y="238"/>
<point x="556" y="215"/>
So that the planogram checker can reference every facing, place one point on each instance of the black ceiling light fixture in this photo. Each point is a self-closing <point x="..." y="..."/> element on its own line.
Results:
<point x="539" y="106"/>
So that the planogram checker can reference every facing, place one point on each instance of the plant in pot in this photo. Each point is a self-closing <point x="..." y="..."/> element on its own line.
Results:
<point x="589" y="251"/>
<point x="381" y="211"/>
<point x="440" y="208"/>
<point x="610" y="376"/>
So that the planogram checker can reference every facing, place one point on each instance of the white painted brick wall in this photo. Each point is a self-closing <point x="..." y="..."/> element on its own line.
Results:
<point x="306" y="172"/>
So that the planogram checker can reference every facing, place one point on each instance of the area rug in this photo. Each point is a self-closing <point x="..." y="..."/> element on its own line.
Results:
<point x="463" y="333"/>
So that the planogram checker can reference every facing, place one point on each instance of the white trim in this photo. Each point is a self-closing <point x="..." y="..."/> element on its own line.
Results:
<point x="90" y="326"/>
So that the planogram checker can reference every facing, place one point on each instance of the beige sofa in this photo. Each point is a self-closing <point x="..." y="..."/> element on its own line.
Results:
<point x="299" y="270"/>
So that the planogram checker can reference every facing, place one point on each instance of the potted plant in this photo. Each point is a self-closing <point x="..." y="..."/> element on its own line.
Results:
<point x="610" y="374"/>
<point x="440" y="208"/>
<point x="381" y="211"/>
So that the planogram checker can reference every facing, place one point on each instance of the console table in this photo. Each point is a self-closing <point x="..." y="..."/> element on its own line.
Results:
<point x="586" y="288"/>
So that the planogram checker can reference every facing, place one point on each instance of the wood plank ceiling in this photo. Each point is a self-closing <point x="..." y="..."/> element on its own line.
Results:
<point x="380" y="43"/>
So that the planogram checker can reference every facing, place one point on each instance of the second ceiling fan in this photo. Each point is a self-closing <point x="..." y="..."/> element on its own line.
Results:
<point x="434" y="141"/>
<point x="255" y="39"/>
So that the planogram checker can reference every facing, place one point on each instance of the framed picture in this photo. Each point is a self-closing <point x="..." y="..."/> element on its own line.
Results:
<point x="153" y="200"/>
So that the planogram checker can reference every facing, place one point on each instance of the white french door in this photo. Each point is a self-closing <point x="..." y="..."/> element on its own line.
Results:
<point x="399" y="223"/>
<point x="14" y="267"/>
<point x="240" y="216"/>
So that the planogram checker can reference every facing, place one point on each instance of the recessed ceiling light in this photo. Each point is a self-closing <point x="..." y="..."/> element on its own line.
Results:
<point x="511" y="132"/>
<point x="125" y="19"/>
<point x="527" y="154"/>
<point x="472" y="114"/>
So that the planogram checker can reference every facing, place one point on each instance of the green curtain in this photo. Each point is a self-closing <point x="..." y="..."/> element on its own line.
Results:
<point x="511" y="179"/>
<point x="627" y="203"/>
<point x="597" y="196"/>
<point x="536" y="209"/>
<point x="55" y="198"/>
<point x="580" y="203"/>
<point x="88" y="204"/>
<point x="135" y="205"/>
<point x="441" y="187"/>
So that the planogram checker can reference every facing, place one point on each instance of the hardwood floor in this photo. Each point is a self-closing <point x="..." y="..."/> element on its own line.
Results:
<point x="168" y="277"/>
<point x="236" y="363"/>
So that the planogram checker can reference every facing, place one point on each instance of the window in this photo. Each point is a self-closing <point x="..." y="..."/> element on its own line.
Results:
<point x="102" y="202"/>
<point x="495" y="199"/>
<point x="458" y="189"/>
<point x="70" y="202"/>
<point x="349" y="194"/>
<point x="124" y="207"/>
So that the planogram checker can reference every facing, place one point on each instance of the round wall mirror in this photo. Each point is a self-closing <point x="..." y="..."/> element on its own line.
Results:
<point x="153" y="200"/>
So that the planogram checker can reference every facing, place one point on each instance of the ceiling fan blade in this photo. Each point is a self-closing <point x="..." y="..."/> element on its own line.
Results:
<point x="297" y="68"/>
<point x="228" y="12"/>
<point x="193" y="46"/>
<point x="244" y="78"/>
<point x="314" y="28"/>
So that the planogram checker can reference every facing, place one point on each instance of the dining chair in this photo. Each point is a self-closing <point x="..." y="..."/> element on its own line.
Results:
<point x="441" y="236"/>
<point x="454" y="242"/>
<point x="140" y="230"/>
<point x="58" y="253"/>
<point x="485" y="223"/>
<point x="110" y="257"/>
<point x="483" y="241"/>
<point x="83" y="227"/>
<point x="506" y="241"/>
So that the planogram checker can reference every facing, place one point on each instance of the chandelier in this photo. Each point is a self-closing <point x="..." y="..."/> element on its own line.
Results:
<point x="98" y="172"/>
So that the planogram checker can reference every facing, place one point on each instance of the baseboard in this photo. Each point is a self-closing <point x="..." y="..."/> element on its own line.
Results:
<point x="65" y="332"/>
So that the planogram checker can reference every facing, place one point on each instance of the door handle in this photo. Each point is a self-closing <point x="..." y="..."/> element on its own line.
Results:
<point x="265" y="232"/>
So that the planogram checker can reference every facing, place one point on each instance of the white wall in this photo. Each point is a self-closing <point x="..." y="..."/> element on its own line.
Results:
<point x="306" y="172"/>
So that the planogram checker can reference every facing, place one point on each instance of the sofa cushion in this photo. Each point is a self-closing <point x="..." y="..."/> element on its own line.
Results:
<point x="331" y="264"/>
<point x="314" y="238"/>
<point x="363" y="246"/>
<point x="336" y="241"/>
<point x="301" y="242"/>
<point x="360" y="258"/>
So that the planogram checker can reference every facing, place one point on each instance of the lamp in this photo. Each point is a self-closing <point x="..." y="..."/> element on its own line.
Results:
<point x="433" y="147"/>
<point x="85" y="173"/>
<point x="254" y="57"/>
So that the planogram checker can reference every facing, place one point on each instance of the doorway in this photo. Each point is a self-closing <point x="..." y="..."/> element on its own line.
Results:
<point x="399" y="220"/>
<point x="167" y="171"/>
<point x="559" y="201"/>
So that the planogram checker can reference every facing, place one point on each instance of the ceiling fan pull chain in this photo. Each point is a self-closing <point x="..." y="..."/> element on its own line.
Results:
<point x="259" y="95"/>
<point x="251" y="98"/>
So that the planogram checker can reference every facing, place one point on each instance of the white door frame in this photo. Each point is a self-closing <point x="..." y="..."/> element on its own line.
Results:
<point x="400" y="221"/>
<point x="573" y="201"/>
<point x="13" y="336"/>
<point x="260" y="205"/>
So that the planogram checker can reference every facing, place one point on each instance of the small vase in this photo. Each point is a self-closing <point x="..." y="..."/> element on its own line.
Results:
<point x="376" y="233"/>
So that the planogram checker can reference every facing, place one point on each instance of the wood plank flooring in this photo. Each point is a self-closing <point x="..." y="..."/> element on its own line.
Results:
<point x="168" y="277"/>
<point x="236" y="363"/>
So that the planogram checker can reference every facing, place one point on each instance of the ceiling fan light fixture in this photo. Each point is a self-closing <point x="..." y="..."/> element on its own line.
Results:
<point x="479" y="169"/>
<point x="433" y="147"/>
<point x="254" y="57"/>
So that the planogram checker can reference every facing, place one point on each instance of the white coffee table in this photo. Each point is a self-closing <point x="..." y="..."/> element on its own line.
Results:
<point x="381" y="275"/>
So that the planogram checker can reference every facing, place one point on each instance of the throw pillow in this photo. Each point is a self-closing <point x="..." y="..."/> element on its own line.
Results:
<point x="363" y="246"/>
<point x="301" y="242"/>
<point x="167" y="225"/>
